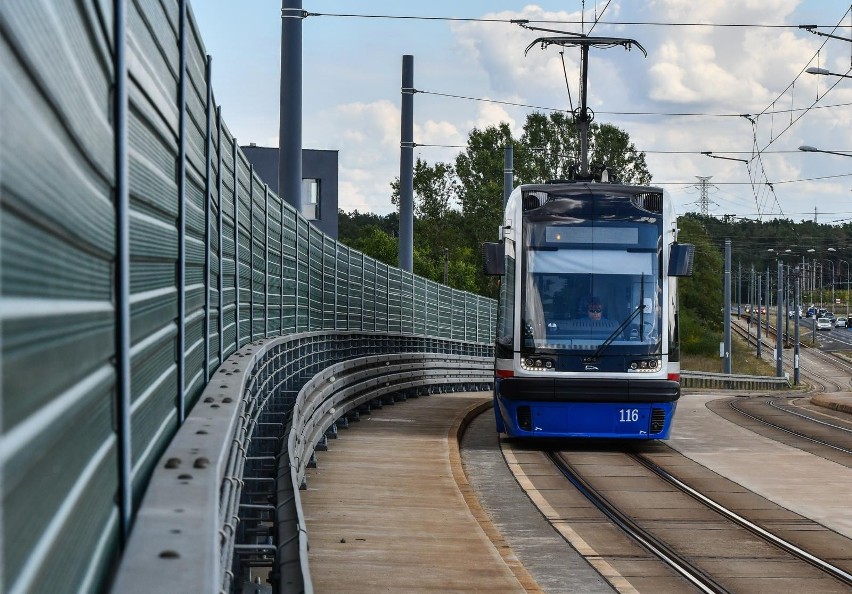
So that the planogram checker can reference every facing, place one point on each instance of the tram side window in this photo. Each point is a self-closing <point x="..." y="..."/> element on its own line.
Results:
<point x="506" y="312"/>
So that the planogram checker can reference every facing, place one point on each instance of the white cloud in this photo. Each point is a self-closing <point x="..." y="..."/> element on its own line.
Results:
<point x="733" y="70"/>
<point x="491" y="114"/>
<point x="367" y="136"/>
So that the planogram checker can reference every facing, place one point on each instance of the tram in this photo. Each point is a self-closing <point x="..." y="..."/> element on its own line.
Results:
<point x="587" y="323"/>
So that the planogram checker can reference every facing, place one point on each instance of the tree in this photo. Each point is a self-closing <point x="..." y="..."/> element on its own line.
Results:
<point x="480" y="172"/>
<point x="459" y="206"/>
<point x="701" y="293"/>
<point x="438" y="225"/>
<point x="350" y="225"/>
<point x="377" y="244"/>
<point x="549" y="148"/>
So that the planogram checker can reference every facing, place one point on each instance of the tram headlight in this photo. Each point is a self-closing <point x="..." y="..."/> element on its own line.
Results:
<point x="537" y="364"/>
<point x="644" y="365"/>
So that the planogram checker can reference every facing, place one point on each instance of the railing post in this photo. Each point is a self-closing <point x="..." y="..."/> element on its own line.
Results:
<point x="251" y="252"/>
<point x="181" y="264"/>
<point x="221" y="224"/>
<point x="122" y="310"/>
<point x="265" y="260"/>
<point x="208" y="199"/>
<point x="336" y="284"/>
<point x="235" y="161"/>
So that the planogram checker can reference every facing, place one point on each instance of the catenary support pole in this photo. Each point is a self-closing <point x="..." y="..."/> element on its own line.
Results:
<point x="290" y="110"/>
<point x="779" y="335"/>
<point x="406" y="167"/>
<point x="508" y="172"/>
<point x="796" y="306"/>
<point x="757" y="307"/>
<point x="727" y="346"/>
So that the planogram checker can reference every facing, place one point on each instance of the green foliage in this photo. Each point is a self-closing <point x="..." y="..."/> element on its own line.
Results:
<point x="702" y="293"/>
<point x="549" y="148"/>
<point x="350" y="225"/>
<point x="480" y="173"/>
<point x="696" y="338"/>
<point x="459" y="206"/>
<point x="377" y="244"/>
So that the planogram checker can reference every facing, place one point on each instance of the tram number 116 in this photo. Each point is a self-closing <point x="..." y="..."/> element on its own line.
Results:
<point x="628" y="415"/>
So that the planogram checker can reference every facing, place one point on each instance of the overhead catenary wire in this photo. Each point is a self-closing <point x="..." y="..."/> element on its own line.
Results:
<point x="598" y="16"/>
<point x="552" y="21"/>
<point x="763" y="188"/>
<point x="619" y="113"/>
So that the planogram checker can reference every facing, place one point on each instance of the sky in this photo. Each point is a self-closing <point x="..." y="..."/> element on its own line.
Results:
<point x="718" y="74"/>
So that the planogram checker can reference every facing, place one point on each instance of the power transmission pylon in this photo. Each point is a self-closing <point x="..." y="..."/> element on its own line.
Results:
<point x="704" y="199"/>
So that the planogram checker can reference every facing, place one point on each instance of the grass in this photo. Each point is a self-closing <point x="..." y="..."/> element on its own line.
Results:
<point x="743" y="360"/>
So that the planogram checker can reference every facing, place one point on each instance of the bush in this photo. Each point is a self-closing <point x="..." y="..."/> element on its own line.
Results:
<point x="695" y="337"/>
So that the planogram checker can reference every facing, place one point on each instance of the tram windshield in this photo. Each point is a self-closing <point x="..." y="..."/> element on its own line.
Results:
<point x="586" y="282"/>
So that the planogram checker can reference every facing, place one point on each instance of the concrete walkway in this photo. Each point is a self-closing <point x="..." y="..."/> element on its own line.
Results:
<point x="803" y="483"/>
<point x="390" y="509"/>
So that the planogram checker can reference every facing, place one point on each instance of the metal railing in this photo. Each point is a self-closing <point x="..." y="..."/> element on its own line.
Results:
<point x="224" y="497"/>
<point x="336" y="396"/>
<point x="142" y="258"/>
<point x="733" y="381"/>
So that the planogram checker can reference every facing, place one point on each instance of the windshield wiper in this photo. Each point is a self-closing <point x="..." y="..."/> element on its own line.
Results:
<point x="611" y="337"/>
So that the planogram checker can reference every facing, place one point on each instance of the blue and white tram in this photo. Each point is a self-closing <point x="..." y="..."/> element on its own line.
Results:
<point x="587" y="329"/>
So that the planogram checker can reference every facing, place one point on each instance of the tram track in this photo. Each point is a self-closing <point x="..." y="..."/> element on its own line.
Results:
<point x="831" y="359"/>
<point x="819" y="382"/>
<point x="687" y="527"/>
<point x="682" y="566"/>
<point x="787" y="546"/>
<point x="788" y="418"/>
<point x="841" y="442"/>
<point x="684" y="517"/>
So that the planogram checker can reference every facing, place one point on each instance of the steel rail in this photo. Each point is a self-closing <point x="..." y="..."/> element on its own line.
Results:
<point x="790" y="431"/>
<point x="821" y="379"/>
<point x="773" y="404"/>
<point x="779" y="542"/>
<point x="683" y="567"/>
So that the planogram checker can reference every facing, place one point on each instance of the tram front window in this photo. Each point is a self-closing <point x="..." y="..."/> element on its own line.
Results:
<point x="576" y="297"/>
<point x="578" y="310"/>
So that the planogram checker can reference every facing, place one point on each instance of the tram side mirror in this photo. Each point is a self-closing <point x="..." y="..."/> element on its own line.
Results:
<point x="681" y="256"/>
<point x="493" y="259"/>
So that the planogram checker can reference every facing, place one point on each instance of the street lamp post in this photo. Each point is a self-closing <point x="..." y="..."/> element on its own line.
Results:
<point x="812" y="149"/>
<point x="839" y="262"/>
<point x="833" y="301"/>
<point x="821" y="275"/>
<point x="824" y="72"/>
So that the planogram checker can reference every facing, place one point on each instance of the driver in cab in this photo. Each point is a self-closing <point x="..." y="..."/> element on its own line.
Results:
<point x="594" y="309"/>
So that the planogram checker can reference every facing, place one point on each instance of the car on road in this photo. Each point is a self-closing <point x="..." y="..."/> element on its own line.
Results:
<point x="823" y="324"/>
<point x="792" y="313"/>
<point x="840" y="323"/>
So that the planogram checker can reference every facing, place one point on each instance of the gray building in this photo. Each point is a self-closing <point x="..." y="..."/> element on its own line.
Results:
<point x="319" y="182"/>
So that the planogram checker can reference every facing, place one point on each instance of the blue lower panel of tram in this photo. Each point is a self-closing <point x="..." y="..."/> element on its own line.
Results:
<point x="578" y="417"/>
<point x="615" y="420"/>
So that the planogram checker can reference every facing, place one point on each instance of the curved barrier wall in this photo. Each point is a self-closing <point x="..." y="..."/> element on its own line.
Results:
<point x="138" y="251"/>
